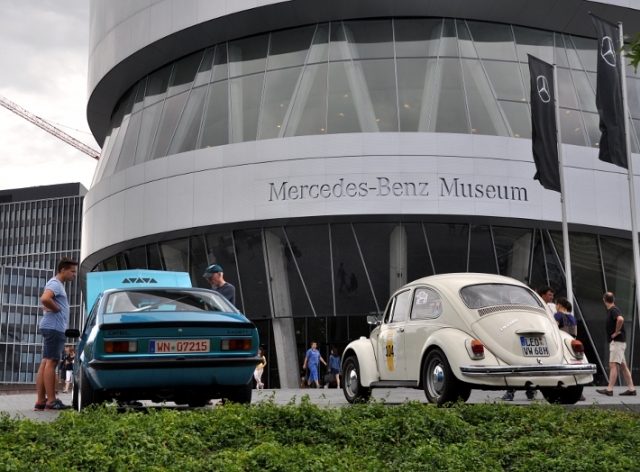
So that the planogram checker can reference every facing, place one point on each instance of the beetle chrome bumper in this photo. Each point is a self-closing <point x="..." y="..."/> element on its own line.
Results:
<point x="528" y="370"/>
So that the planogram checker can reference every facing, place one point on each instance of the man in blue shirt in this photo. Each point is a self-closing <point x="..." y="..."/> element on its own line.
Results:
<point x="215" y="276"/>
<point x="312" y="360"/>
<point x="53" y="325"/>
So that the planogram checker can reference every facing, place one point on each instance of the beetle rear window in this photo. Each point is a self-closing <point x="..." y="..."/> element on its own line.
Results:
<point x="483" y="295"/>
<point x="135" y="301"/>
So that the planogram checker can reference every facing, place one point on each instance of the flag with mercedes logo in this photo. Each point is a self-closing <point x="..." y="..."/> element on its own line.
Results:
<point x="543" y="124"/>
<point x="613" y="144"/>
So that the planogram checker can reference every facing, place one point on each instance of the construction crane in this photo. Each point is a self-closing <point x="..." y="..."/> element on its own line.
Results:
<point x="45" y="125"/>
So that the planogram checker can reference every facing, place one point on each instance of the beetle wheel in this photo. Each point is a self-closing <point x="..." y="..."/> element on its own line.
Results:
<point x="351" y="386"/>
<point x="564" y="396"/>
<point x="440" y="384"/>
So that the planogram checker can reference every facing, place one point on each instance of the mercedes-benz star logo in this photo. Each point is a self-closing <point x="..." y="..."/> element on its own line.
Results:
<point x="543" y="88"/>
<point x="607" y="51"/>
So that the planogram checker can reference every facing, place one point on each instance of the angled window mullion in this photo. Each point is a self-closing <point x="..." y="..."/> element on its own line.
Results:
<point x="373" y="293"/>
<point x="464" y="85"/>
<point x="264" y="86"/>
<point x="295" y="261"/>
<point x="426" y="240"/>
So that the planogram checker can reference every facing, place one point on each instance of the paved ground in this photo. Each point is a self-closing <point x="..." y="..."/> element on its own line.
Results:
<point x="22" y="405"/>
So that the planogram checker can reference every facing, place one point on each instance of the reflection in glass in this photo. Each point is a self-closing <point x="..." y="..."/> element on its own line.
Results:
<point x="483" y="109"/>
<point x="343" y="114"/>
<point x="215" y="129"/>
<point x="571" y="127"/>
<point x="309" y="113"/>
<point x="176" y="255"/>
<point x="633" y="96"/>
<point x="279" y="90"/>
<point x="246" y="93"/>
<point x="378" y="89"/>
<point x="136" y="258"/>
<point x="419" y="262"/>
<point x="481" y="254"/>
<point x="617" y="260"/>
<point x="572" y="55"/>
<point x="204" y="71"/>
<point x="449" y="113"/>
<point x="128" y="152"/>
<point x="449" y="39"/>
<point x="250" y="256"/>
<point x="173" y="107"/>
<point x="535" y="42"/>
<point x="513" y="250"/>
<point x="148" y="128"/>
<point x="449" y="245"/>
<point x="247" y="56"/>
<point x="518" y="117"/>
<point x="114" y="157"/>
<point x="492" y="40"/>
<point x="561" y="54"/>
<point x="220" y="66"/>
<point x="290" y="47"/>
<point x="586" y="93"/>
<point x="506" y="80"/>
<point x="370" y="39"/>
<point x="538" y="269"/>
<point x="586" y="48"/>
<point x="220" y="250"/>
<point x="184" y="73"/>
<point x="198" y="262"/>
<point x="417" y="37"/>
<point x="416" y="88"/>
<point x="566" y="92"/>
<point x="592" y="122"/>
<point x="157" y="83"/>
<point x="320" y="48"/>
<point x="467" y="49"/>
<point x="189" y="124"/>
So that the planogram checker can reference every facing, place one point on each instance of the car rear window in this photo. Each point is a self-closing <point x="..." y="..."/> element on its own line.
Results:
<point x="483" y="295"/>
<point x="134" y="301"/>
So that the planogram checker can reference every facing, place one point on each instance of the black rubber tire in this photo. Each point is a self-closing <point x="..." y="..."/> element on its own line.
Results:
<point x="352" y="388"/>
<point x="197" y="402"/>
<point x="74" y="396"/>
<point x="86" y="395"/>
<point x="564" y="396"/>
<point x="440" y="384"/>
<point x="238" y="394"/>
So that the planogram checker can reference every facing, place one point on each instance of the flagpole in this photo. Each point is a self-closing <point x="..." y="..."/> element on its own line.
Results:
<point x="563" y="199"/>
<point x="632" y="193"/>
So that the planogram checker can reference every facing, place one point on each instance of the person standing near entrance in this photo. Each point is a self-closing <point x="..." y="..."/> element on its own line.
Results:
<point x="312" y="360"/>
<point x="617" y="336"/>
<point x="53" y="325"/>
<point x="215" y="276"/>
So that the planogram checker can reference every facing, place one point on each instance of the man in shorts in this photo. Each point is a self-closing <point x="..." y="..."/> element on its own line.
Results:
<point x="53" y="325"/>
<point x="312" y="360"/>
<point x="617" y="337"/>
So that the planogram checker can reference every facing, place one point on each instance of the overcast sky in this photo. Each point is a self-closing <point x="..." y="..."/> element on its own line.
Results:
<point x="44" y="52"/>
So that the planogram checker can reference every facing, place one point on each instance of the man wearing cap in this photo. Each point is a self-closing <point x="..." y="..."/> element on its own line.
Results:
<point x="215" y="276"/>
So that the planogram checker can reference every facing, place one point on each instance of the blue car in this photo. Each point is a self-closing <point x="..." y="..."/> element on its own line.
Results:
<point x="150" y="335"/>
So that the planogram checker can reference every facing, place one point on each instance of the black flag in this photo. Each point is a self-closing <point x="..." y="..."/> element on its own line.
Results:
<point x="613" y="144"/>
<point x="543" y="124"/>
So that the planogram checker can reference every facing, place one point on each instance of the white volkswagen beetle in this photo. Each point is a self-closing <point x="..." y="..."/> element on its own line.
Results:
<point x="449" y="334"/>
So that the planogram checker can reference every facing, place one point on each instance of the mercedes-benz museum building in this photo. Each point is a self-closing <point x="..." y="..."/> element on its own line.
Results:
<point x="325" y="153"/>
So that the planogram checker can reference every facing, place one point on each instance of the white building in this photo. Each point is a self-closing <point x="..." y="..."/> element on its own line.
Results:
<point x="324" y="153"/>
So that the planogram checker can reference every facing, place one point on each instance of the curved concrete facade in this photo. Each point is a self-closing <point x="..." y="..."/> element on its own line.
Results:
<point x="226" y="197"/>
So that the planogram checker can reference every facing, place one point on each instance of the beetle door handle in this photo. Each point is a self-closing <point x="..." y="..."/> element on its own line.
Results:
<point x="401" y="330"/>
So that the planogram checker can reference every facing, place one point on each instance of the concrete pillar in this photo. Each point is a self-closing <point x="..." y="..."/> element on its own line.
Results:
<point x="397" y="258"/>
<point x="283" y="329"/>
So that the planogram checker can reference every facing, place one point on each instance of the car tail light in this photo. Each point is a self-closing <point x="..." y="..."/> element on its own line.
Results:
<point x="120" y="346"/>
<point x="578" y="349"/>
<point x="235" y="344"/>
<point x="475" y="348"/>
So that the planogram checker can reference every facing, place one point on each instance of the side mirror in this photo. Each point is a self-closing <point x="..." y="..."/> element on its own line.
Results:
<point x="72" y="333"/>
<point x="373" y="320"/>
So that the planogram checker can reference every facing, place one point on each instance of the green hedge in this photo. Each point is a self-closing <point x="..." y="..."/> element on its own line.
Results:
<point x="306" y="437"/>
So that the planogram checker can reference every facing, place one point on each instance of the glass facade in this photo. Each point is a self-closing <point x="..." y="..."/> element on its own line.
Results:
<point x="408" y="75"/>
<point x="38" y="226"/>
<point x="329" y="276"/>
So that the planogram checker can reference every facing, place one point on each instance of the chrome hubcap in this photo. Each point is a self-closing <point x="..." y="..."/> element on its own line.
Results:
<point x="352" y="381"/>
<point x="436" y="379"/>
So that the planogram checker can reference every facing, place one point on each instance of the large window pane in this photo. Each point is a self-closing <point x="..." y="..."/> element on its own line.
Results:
<point x="586" y="94"/>
<point x="309" y="113"/>
<point x="175" y="255"/>
<point x="518" y="117"/>
<point x="566" y="91"/>
<point x="571" y="127"/>
<point x="250" y="256"/>
<point x="137" y="102"/>
<point x="633" y="95"/>
<point x="204" y="71"/>
<point x="171" y="112"/>
<point x="483" y="109"/>
<point x="592" y="122"/>
<point x="561" y="53"/>
<point x="493" y="41"/>
<point x="246" y="93"/>
<point x="290" y="47"/>
<point x="538" y="43"/>
<point x="378" y="87"/>
<point x="344" y="116"/>
<point x="157" y="85"/>
<point x="416" y="89"/>
<point x="417" y="38"/>
<point x="128" y="152"/>
<point x="572" y="55"/>
<point x="449" y="113"/>
<point x="148" y="128"/>
<point x="449" y="39"/>
<point x="189" y="125"/>
<point x="370" y="39"/>
<point x="247" y="56"/>
<point x="279" y="89"/>
<point x="320" y="47"/>
<point x="220" y="66"/>
<point x="506" y="80"/>
<point x="347" y="261"/>
<point x="513" y="249"/>
<point x="215" y="130"/>
<point x="586" y="49"/>
<point x="221" y="251"/>
<point x="310" y="247"/>
<point x="419" y="260"/>
<point x="467" y="49"/>
<point x="183" y="73"/>
<point x="198" y="261"/>
<point x="449" y="246"/>
<point x="481" y="256"/>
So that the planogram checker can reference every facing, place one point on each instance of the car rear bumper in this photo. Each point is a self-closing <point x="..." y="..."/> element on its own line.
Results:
<point x="528" y="370"/>
<point x="173" y="363"/>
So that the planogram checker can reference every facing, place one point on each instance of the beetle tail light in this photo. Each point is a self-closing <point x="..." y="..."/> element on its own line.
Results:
<point x="578" y="349"/>
<point x="477" y="348"/>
